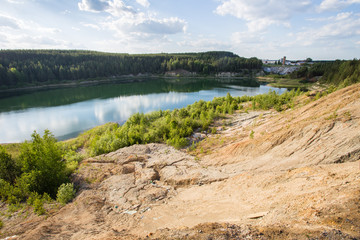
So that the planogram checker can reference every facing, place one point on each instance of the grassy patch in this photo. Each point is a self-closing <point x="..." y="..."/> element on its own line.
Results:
<point x="252" y="134"/>
<point x="289" y="83"/>
<point x="12" y="148"/>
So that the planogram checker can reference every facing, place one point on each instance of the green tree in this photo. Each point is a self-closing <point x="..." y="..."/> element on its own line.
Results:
<point x="41" y="161"/>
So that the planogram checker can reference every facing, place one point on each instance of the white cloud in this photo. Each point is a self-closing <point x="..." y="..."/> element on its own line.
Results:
<point x="144" y="3"/>
<point x="3" y="38"/>
<point x="16" y="1"/>
<point x="260" y="14"/>
<point x="118" y="8"/>
<point x="144" y="43"/>
<point x="93" y="5"/>
<point x="94" y="26"/>
<point x="30" y="41"/>
<point x="247" y="38"/>
<point x="8" y="22"/>
<point x="66" y="12"/>
<point x="14" y="24"/>
<point x="140" y="24"/>
<point x="330" y="5"/>
<point x="124" y="20"/>
<point x="114" y="7"/>
<point x="28" y="34"/>
<point x="342" y="26"/>
<point x="201" y="44"/>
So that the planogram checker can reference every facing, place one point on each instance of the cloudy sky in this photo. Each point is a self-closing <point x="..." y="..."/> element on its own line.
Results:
<point x="269" y="29"/>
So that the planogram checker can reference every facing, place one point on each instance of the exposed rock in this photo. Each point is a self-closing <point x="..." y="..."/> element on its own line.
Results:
<point x="128" y="168"/>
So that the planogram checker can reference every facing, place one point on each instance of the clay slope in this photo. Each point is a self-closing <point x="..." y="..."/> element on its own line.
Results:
<point x="322" y="132"/>
<point x="296" y="177"/>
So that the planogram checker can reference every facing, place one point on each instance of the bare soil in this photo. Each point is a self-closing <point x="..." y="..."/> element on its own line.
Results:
<point x="264" y="175"/>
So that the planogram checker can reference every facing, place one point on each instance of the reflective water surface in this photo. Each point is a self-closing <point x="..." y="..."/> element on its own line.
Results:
<point x="67" y="112"/>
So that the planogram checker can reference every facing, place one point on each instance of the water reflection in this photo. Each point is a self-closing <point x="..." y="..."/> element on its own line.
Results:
<point x="58" y="97"/>
<point x="66" y="121"/>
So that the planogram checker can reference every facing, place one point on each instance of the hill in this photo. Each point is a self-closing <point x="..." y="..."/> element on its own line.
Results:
<point x="264" y="175"/>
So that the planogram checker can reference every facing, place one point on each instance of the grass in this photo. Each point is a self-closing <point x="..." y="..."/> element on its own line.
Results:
<point x="332" y="116"/>
<point x="284" y="82"/>
<point x="252" y="134"/>
<point x="12" y="148"/>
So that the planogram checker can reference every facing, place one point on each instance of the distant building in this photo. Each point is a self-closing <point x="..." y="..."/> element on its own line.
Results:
<point x="266" y="61"/>
<point x="284" y="60"/>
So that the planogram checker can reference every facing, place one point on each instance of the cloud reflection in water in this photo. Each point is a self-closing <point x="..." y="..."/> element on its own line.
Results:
<point x="73" y="118"/>
<point x="67" y="121"/>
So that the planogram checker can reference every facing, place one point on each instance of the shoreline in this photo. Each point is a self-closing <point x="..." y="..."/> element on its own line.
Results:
<point x="284" y="83"/>
<point x="87" y="82"/>
<point x="118" y="79"/>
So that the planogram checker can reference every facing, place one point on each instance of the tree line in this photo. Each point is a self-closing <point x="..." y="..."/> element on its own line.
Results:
<point x="31" y="67"/>
<point x="338" y="73"/>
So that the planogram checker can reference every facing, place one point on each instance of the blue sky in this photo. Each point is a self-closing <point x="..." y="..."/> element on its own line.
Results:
<point x="320" y="29"/>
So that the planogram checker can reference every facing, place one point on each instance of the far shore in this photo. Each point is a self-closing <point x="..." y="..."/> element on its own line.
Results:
<point x="87" y="82"/>
<point x="115" y="79"/>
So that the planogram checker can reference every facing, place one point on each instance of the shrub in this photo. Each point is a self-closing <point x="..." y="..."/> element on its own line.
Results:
<point x="42" y="161"/>
<point x="213" y="130"/>
<point x="39" y="206"/>
<point x="65" y="193"/>
<point x="37" y="201"/>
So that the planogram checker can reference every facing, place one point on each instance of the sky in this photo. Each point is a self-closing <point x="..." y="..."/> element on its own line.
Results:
<point x="297" y="29"/>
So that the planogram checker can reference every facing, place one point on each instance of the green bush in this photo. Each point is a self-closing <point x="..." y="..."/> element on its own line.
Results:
<point x="39" y="206"/>
<point x="41" y="161"/>
<point x="36" y="175"/>
<point x="65" y="193"/>
<point x="72" y="159"/>
<point x="37" y="201"/>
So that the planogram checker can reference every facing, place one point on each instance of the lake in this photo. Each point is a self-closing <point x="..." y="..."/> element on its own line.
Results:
<point x="67" y="112"/>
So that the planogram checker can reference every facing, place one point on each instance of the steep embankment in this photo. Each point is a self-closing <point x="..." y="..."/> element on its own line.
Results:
<point x="267" y="176"/>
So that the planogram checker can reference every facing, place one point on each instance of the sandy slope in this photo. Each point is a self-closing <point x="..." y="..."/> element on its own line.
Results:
<point x="297" y="178"/>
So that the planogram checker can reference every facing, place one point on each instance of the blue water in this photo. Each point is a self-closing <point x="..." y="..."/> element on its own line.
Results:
<point x="68" y="112"/>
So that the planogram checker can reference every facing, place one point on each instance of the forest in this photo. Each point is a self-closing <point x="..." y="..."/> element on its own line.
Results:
<point x="32" y="67"/>
<point x="338" y="73"/>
